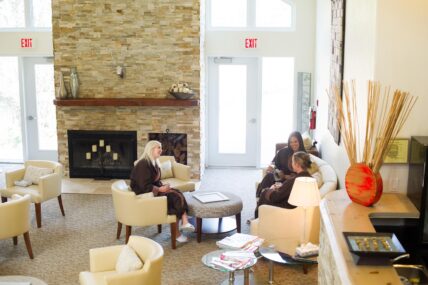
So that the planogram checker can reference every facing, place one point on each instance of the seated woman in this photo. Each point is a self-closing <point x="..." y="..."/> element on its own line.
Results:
<point x="145" y="177"/>
<point x="280" y="169"/>
<point x="278" y="194"/>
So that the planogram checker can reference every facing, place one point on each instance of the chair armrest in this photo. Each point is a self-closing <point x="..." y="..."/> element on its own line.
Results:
<point x="14" y="175"/>
<point x="181" y="171"/>
<point x="50" y="186"/>
<point x="104" y="258"/>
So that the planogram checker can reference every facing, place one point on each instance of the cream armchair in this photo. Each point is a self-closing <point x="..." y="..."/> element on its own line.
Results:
<point x="180" y="178"/>
<point x="283" y="227"/>
<point x="15" y="220"/>
<point x="103" y="261"/>
<point x="48" y="188"/>
<point x="140" y="210"/>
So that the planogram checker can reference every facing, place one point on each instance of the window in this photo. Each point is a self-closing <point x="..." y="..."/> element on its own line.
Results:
<point x="12" y="14"/>
<point x="273" y="14"/>
<point x="226" y="13"/>
<point x="251" y="14"/>
<point x="10" y="115"/>
<point x="25" y="14"/>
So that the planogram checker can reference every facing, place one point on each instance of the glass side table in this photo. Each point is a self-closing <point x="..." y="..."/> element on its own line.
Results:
<point x="232" y="280"/>
<point x="274" y="256"/>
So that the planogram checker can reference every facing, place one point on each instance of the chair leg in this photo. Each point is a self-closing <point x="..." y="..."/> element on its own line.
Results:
<point x="3" y="199"/>
<point x="15" y="240"/>
<point x="159" y="229"/>
<point x="173" y="235"/>
<point x="128" y="233"/>
<point x="28" y="244"/>
<point x="60" y="205"/>
<point x="38" y="207"/>
<point x="238" y="222"/>
<point x="119" y="230"/>
<point x="198" y="229"/>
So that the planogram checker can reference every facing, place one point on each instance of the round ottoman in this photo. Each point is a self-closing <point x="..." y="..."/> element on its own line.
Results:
<point x="220" y="209"/>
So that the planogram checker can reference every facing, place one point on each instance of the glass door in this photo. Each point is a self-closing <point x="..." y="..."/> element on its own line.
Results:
<point x="232" y="112"/>
<point x="40" y="113"/>
<point x="11" y="146"/>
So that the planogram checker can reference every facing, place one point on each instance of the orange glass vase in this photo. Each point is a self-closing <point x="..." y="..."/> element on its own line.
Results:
<point x="362" y="185"/>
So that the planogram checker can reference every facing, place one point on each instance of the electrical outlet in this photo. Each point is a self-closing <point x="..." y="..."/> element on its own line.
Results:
<point x="394" y="182"/>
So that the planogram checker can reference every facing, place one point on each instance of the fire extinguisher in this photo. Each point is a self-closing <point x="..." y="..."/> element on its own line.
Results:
<point x="313" y="117"/>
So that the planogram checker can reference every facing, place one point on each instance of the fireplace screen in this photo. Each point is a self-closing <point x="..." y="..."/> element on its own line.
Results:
<point x="101" y="154"/>
<point x="174" y="144"/>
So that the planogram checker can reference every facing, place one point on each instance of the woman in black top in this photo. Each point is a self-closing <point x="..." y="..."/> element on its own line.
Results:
<point x="278" y="193"/>
<point x="281" y="169"/>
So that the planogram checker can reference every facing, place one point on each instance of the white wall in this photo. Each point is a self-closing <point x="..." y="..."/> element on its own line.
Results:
<point x="11" y="44"/>
<point x="385" y="40"/>
<point x="401" y="62"/>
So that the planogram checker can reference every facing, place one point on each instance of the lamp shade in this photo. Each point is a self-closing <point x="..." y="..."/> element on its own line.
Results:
<point x="305" y="192"/>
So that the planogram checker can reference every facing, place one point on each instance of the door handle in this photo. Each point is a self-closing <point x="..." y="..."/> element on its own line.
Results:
<point x="30" y="118"/>
<point x="252" y="121"/>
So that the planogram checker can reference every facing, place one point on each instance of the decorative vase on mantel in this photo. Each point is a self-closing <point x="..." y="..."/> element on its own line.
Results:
<point x="74" y="83"/>
<point x="363" y="185"/>
<point x="62" y="91"/>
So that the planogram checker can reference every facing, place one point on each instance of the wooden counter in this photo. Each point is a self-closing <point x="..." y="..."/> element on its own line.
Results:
<point x="339" y="214"/>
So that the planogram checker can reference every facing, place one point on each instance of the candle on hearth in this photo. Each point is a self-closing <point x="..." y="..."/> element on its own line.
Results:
<point x="101" y="143"/>
<point x="94" y="148"/>
<point x="108" y="148"/>
<point x="88" y="155"/>
<point x="115" y="156"/>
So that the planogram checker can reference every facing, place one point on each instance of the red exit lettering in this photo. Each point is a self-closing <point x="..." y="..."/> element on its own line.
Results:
<point x="251" y="43"/>
<point x="26" y="42"/>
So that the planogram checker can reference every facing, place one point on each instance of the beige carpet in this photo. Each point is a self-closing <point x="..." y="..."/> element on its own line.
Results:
<point x="61" y="246"/>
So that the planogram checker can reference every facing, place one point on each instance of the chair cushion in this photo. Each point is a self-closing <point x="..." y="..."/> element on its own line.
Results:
<point x="166" y="169"/>
<point x="318" y="177"/>
<point x="33" y="173"/>
<point x="128" y="260"/>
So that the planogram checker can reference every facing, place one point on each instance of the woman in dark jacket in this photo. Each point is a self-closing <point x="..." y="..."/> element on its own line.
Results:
<point x="278" y="194"/>
<point x="145" y="178"/>
<point x="280" y="169"/>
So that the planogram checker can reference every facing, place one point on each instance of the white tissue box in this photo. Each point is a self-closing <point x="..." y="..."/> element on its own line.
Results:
<point x="308" y="249"/>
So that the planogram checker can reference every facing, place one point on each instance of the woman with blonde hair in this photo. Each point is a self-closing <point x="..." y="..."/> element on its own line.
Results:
<point x="145" y="178"/>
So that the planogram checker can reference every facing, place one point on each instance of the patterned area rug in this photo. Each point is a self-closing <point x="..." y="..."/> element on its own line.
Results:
<point x="61" y="246"/>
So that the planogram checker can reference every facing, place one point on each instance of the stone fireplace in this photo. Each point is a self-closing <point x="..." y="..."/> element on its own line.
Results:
<point x="157" y="44"/>
<point x="101" y="154"/>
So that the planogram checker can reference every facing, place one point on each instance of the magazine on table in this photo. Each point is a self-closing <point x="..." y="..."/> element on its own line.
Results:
<point x="240" y="241"/>
<point x="209" y="197"/>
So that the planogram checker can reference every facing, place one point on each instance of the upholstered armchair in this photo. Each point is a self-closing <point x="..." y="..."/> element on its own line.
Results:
<point x="283" y="227"/>
<point x="15" y="221"/>
<point x="48" y="187"/>
<point x="140" y="210"/>
<point x="177" y="175"/>
<point x="103" y="263"/>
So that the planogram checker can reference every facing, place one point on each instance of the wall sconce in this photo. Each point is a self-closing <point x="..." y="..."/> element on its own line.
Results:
<point x="120" y="70"/>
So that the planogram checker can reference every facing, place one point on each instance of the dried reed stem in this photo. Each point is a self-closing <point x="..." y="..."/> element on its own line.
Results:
<point x="385" y="117"/>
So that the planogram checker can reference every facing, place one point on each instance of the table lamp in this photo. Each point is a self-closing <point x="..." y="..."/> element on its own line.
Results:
<point x="304" y="194"/>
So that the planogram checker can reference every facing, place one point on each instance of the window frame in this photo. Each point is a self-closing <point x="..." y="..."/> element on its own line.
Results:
<point x="251" y="19"/>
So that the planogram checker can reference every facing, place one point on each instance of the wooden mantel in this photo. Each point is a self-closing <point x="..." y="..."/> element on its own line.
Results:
<point x="87" y="102"/>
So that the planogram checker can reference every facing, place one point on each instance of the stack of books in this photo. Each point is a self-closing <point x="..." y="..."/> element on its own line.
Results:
<point x="234" y="260"/>
<point x="240" y="241"/>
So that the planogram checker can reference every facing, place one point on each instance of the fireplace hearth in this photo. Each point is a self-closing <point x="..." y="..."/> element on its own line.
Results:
<point x="101" y="154"/>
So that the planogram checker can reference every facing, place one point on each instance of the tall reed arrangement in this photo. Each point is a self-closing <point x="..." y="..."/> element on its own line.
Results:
<point x="386" y="115"/>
